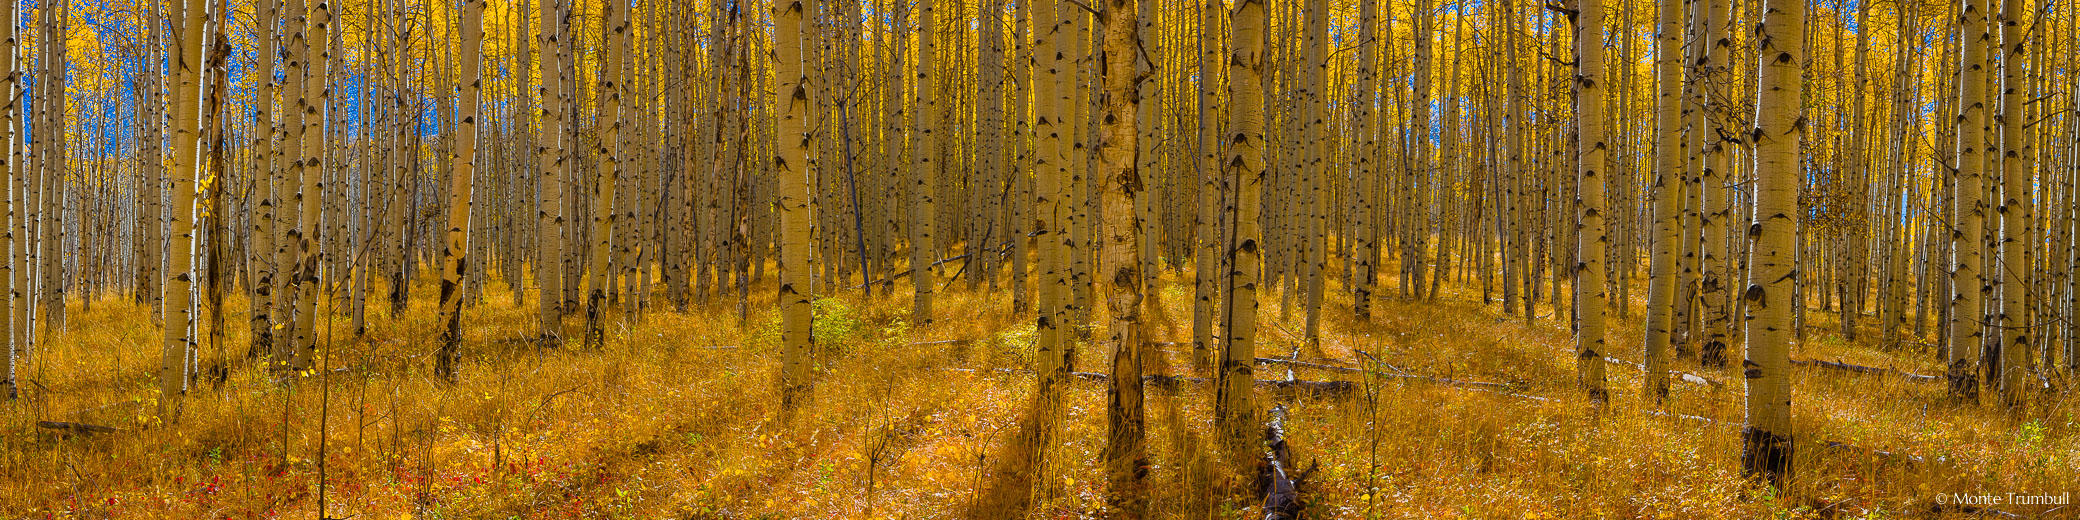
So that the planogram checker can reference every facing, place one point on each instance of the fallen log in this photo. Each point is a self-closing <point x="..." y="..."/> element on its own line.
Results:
<point x="1680" y="375"/>
<point x="75" y="427"/>
<point x="1317" y="366"/>
<point x="1860" y="369"/>
<point x="947" y="342"/>
<point x="1327" y="387"/>
<point x="1400" y="375"/>
<point x="1882" y="454"/>
<point x="1281" y="485"/>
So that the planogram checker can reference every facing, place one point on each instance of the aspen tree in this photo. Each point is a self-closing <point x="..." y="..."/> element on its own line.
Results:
<point x="10" y="84"/>
<point x="925" y="173"/>
<point x="2017" y="235"/>
<point x="1767" y="439"/>
<point x="153" y="224"/>
<point x="606" y="169"/>
<point x="1415" y="218"/>
<point x="1022" y="208"/>
<point x="991" y="146"/>
<point x="1666" y="188"/>
<point x="1716" y="205"/>
<point x="1315" y="174"/>
<point x="265" y="186"/>
<point x="791" y="69"/>
<point x="187" y="128"/>
<point x="1970" y="286"/>
<point x="1591" y="234"/>
<point x="54" y="163"/>
<point x="1234" y="411"/>
<point x="1053" y="92"/>
<point x="1206" y="227"/>
<point x="1126" y="455"/>
<point x="549" y="216"/>
<point x="1365" y="252"/>
<point x="317" y="96"/>
<point x="455" y="253"/>
<point x="289" y="186"/>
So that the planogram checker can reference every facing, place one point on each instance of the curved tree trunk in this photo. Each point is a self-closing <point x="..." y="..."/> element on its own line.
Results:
<point x="455" y="254"/>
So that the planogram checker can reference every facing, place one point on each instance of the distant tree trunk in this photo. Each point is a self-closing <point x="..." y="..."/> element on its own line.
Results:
<point x="1415" y="229"/>
<point x="1126" y="453"/>
<point x="455" y="254"/>
<point x="1314" y="115"/>
<point x="55" y="164"/>
<point x="1767" y="440"/>
<point x="1366" y="255"/>
<point x="790" y="161"/>
<point x="1591" y="234"/>
<point x="1717" y="206"/>
<point x="187" y="128"/>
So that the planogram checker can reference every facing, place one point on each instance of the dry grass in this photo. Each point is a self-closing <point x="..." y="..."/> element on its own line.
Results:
<point x="675" y="419"/>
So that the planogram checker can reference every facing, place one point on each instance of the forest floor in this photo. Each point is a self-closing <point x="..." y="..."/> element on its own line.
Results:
<point x="675" y="418"/>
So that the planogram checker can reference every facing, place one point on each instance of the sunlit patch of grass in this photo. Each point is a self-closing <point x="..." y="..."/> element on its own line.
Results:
<point x="677" y="418"/>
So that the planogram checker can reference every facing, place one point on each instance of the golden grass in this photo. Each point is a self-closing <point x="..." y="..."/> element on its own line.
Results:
<point x="676" y="419"/>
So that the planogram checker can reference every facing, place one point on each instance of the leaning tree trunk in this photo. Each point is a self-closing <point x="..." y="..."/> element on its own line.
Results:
<point x="607" y="133"/>
<point x="1767" y="439"/>
<point x="455" y="255"/>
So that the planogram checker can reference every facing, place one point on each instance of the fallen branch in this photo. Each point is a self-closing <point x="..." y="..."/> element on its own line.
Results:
<point x="84" y="411"/>
<point x="1281" y="487"/>
<point x="1658" y="413"/>
<point x="906" y="272"/>
<point x="948" y="342"/>
<point x="75" y="427"/>
<point x="1909" y="459"/>
<point x="1837" y="365"/>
